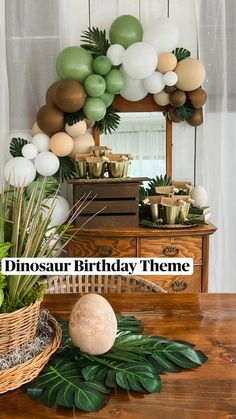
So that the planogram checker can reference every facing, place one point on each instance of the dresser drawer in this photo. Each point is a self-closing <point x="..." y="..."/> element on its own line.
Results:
<point x="179" y="283"/>
<point x="105" y="247"/>
<point x="186" y="246"/>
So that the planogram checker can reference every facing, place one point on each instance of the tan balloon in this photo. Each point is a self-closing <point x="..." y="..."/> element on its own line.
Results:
<point x="191" y="74"/>
<point x="198" y="98"/>
<point x="69" y="96"/>
<point x="82" y="144"/>
<point x="50" y="120"/>
<point x="35" y="129"/>
<point x="197" y="118"/>
<point x="167" y="61"/>
<point x="89" y="123"/>
<point x="61" y="144"/>
<point x="76" y="129"/>
<point x="51" y="91"/>
<point x="162" y="98"/>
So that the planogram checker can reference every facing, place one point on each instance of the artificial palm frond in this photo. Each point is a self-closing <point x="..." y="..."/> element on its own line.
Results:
<point x="16" y="146"/>
<point x="181" y="54"/>
<point x="95" y="41"/>
<point x="109" y="123"/>
<point x="67" y="169"/>
<point x="73" y="117"/>
<point x="157" y="181"/>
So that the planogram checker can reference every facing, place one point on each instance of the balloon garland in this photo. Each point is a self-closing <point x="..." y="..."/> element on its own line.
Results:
<point x="134" y="62"/>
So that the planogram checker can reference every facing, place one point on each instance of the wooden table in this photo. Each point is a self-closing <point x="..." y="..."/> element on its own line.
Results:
<point x="208" y="320"/>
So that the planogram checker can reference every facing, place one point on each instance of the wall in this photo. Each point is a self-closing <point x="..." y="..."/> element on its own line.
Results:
<point x="101" y="13"/>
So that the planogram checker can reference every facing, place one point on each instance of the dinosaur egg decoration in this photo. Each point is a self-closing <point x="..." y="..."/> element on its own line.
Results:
<point x="199" y="194"/>
<point x="93" y="324"/>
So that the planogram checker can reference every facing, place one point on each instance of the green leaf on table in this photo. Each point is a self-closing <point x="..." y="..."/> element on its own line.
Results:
<point x="60" y="383"/>
<point x="16" y="146"/>
<point x="181" y="54"/>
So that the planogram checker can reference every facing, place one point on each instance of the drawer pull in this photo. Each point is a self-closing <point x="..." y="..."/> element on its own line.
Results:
<point x="171" y="251"/>
<point x="104" y="250"/>
<point x="179" y="285"/>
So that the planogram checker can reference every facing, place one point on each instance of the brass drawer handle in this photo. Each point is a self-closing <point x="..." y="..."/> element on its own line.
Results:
<point x="104" y="250"/>
<point x="171" y="251"/>
<point x="179" y="285"/>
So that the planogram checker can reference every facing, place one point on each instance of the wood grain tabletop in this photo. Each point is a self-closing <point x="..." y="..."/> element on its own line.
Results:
<point x="208" y="320"/>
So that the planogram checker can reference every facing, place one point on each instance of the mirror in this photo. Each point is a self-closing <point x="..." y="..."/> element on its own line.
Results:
<point x="145" y="132"/>
<point x="143" y="135"/>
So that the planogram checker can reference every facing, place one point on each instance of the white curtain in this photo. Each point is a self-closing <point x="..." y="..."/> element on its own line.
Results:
<point x="217" y="141"/>
<point x="4" y="97"/>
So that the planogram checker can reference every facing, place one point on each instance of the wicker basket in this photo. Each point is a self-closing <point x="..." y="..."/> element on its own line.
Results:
<point x="101" y="284"/>
<point x="18" y="327"/>
<point x="23" y="373"/>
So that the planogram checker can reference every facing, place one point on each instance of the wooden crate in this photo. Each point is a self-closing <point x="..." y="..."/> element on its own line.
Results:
<point x="117" y="202"/>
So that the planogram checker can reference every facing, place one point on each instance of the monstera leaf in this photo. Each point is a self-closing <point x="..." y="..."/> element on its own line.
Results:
<point x="60" y="383"/>
<point x="16" y="146"/>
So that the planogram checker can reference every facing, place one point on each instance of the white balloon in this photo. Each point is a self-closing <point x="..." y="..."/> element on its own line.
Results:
<point x="134" y="89"/>
<point x="19" y="172"/>
<point x="47" y="163"/>
<point x="199" y="194"/>
<point x="154" y="83"/>
<point x="41" y="141"/>
<point x="61" y="210"/>
<point x="29" y="151"/>
<point x="163" y="34"/>
<point x="140" y="60"/>
<point x="170" y="78"/>
<point x="115" y="53"/>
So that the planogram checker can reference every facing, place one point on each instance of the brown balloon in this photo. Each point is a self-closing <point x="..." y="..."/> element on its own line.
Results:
<point x="172" y="116"/>
<point x="198" y="97"/>
<point x="50" y="92"/>
<point x="197" y="118"/>
<point x="178" y="98"/>
<point x="50" y="120"/>
<point x="69" y="96"/>
<point x="169" y="89"/>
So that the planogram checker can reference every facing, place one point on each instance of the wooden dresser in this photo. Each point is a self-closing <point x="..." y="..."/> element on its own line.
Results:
<point x="144" y="242"/>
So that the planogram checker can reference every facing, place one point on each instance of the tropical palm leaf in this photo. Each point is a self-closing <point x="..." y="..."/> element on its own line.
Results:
<point x="109" y="123"/>
<point x="16" y="146"/>
<point x="60" y="383"/>
<point x="95" y="41"/>
<point x="67" y="169"/>
<point x="73" y="117"/>
<point x="181" y="54"/>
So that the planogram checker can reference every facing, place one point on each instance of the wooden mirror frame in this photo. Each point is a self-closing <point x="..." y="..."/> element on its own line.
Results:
<point x="145" y="105"/>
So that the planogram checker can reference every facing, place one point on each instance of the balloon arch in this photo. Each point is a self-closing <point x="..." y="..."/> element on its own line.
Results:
<point x="133" y="62"/>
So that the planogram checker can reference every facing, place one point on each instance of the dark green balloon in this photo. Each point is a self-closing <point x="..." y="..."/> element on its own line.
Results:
<point x="94" y="108"/>
<point x="115" y="81"/>
<point x="101" y="65"/>
<point x="95" y="85"/>
<point x="74" y="63"/>
<point x="126" y="30"/>
<point x="107" y="98"/>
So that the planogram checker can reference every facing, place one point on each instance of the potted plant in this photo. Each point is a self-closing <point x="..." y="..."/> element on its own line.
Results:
<point x="26" y="231"/>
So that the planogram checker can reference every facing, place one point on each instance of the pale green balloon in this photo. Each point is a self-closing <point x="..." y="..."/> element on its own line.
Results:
<point x="102" y="65"/>
<point x="94" y="108"/>
<point x="95" y="85"/>
<point x="126" y="30"/>
<point x="115" y="81"/>
<point x="107" y="98"/>
<point x="74" y="63"/>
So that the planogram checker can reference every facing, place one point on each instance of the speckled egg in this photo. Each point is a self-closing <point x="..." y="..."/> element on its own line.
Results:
<point x="93" y="324"/>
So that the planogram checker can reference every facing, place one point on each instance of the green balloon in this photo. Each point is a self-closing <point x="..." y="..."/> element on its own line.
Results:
<point x="107" y="98"/>
<point x="74" y="63"/>
<point x="126" y="30"/>
<point x="115" y="81"/>
<point x="102" y="65"/>
<point x="95" y="85"/>
<point x="94" y="109"/>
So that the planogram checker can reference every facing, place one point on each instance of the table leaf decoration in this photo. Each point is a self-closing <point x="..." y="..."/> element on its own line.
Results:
<point x="134" y="363"/>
